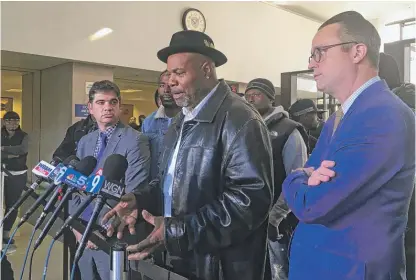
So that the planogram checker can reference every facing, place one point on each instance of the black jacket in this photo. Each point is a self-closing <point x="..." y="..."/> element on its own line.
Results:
<point x="16" y="146"/>
<point x="280" y="127"/>
<point x="222" y="191"/>
<point x="74" y="133"/>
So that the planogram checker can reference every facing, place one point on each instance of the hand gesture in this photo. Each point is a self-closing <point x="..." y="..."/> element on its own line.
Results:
<point x="125" y="214"/>
<point x="155" y="239"/>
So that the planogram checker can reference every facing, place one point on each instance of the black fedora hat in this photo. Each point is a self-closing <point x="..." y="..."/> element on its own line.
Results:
<point x="190" y="41"/>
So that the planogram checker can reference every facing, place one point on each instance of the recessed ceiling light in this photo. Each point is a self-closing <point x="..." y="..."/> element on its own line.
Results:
<point x="130" y="90"/>
<point x="100" y="33"/>
<point x="14" y="90"/>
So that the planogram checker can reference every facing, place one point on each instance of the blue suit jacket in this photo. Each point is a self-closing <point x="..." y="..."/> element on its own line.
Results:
<point x="353" y="226"/>
<point x="124" y="141"/>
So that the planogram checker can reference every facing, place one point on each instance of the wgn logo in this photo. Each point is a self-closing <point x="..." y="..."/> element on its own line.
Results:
<point x="112" y="188"/>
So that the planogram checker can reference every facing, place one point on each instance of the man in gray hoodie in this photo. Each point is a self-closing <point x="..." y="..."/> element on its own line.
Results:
<point x="289" y="153"/>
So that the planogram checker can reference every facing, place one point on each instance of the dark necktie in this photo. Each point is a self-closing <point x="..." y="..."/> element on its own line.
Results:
<point x="103" y="144"/>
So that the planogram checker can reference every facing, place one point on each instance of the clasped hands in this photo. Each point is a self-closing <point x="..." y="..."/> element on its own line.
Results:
<point x="126" y="215"/>
<point x="322" y="174"/>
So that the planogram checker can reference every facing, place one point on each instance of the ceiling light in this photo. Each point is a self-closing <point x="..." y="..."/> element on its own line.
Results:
<point x="100" y="33"/>
<point x="14" y="90"/>
<point x="130" y="90"/>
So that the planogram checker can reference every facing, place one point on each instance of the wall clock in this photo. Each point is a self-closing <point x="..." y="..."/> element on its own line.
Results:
<point x="193" y="19"/>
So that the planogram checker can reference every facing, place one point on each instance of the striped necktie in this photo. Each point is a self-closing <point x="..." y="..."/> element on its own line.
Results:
<point x="338" y="116"/>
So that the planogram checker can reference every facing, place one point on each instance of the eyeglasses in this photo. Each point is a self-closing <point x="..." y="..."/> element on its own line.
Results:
<point x="11" y="121"/>
<point x="256" y="94"/>
<point x="318" y="52"/>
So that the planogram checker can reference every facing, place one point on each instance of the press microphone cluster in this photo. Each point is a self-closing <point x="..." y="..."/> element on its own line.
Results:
<point x="72" y="179"/>
<point x="45" y="172"/>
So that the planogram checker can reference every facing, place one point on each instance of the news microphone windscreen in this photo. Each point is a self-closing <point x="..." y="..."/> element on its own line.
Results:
<point x="71" y="159"/>
<point x="87" y="165"/>
<point x="115" y="167"/>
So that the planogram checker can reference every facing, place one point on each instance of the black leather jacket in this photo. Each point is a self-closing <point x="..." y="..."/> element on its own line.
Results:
<point x="222" y="191"/>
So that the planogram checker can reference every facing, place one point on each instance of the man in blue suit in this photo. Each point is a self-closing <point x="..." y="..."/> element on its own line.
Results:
<point x="112" y="137"/>
<point x="353" y="195"/>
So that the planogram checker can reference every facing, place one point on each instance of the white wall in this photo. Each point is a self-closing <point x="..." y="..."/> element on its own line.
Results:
<point x="259" y="40"/>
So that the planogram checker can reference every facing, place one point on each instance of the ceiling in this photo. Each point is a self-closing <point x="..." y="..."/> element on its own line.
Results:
<point x="382" y="11"/>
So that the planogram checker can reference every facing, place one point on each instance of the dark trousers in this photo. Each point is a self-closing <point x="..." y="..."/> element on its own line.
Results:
<point x="13" y="188"/>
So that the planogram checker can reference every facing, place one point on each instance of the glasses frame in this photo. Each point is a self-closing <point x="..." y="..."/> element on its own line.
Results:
<point x="322" y="49"/>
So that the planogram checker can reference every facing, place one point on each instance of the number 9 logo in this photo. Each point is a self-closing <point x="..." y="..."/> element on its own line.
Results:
<point x="95" y="182"/>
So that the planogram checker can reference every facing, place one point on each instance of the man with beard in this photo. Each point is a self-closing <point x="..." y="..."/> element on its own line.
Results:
<point x="156" y="124"/>
<point x="215" y="175"/>
<point x="289" y="153"/>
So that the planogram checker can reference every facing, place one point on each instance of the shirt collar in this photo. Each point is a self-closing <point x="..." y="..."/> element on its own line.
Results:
<point x="191" y="114"/>
<point x="348" y="103"/>
<point x="109" y="130"/>
<point x="160" y="113"/>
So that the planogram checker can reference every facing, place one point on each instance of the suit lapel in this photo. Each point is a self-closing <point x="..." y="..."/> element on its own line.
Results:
<point x="92" y="142"/>
<point x="113" y="142"/>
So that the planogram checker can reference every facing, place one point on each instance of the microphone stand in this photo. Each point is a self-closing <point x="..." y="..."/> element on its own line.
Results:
<point x="119" y="261"/>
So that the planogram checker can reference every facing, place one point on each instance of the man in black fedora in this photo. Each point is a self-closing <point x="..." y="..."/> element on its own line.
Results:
<point x="215" y="174"/>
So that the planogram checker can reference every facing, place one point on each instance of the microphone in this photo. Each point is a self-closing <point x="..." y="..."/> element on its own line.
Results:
<point x="85" y="167"/>
<point x="113" y="171"/>
<point x="43" y="171"/>
<point x="70" y="161"/>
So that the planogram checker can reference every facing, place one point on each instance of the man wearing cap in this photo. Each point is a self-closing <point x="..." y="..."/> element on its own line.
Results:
<point x="14" y="149"/>
<point x="215" y="174"/>
<point x="305" y="112"/>
<point x="288" y="140"/>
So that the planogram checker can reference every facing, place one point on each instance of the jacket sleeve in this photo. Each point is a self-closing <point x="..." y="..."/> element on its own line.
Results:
<point x="67" y="146"/>
<point x="364" y="161"/>
<point x="138" y="157"/>
<point x="243" y="205"/>
<point x="18" y="150"/>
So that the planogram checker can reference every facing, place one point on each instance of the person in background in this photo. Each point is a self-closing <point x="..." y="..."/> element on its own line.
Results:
<point x="141" y="120"/>
<point x="74" y="133"/>
<point x="389" y="71"/>
<point x="215" y="178"/>
<point x="305" y="112"/>
<point x="7" y="272"/>
<point x="111" y="137"/>
<point x="133" y="123"/>
<point x="156" y="124"/>
<point x="14" y="150"/>
<point x="288" y="140"/>
<point x="353" y="194"/>
<point x="158" y="102"/>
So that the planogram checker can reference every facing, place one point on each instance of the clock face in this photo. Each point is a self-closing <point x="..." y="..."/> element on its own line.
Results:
<point x="194" y="20"/>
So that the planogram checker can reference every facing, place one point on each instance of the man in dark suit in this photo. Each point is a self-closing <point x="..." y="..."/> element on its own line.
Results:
<point x="353" y="195"/>
<point x="111" y="137"/>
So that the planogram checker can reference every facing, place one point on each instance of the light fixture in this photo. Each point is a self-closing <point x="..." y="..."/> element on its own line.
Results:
<point x="14" y="90"/>
<point x="130" y="90"/>
<point x="100" y="33"/>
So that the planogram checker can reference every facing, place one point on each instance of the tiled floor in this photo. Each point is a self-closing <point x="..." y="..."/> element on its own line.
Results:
<point x="55" y="262"/>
